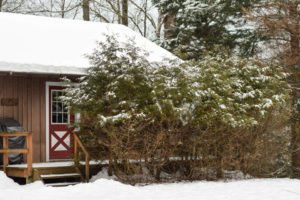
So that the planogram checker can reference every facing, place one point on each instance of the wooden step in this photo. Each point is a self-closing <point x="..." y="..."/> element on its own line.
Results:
<point x="61" y="179"/>
<point x="60" y="176"/>
<point x="57" y="176"/>
<point x="57" y="170"/>
<point x="64" y="184"/>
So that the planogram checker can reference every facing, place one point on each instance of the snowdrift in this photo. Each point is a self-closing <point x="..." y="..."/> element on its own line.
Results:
<point x="264" y="189"/>
<point x="6" y="182"/>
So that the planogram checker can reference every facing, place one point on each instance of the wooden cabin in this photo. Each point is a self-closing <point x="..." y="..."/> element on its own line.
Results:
<point x="33" y="100"/>
<point x="35" y="53"/>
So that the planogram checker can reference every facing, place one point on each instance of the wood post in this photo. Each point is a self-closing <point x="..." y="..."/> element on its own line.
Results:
<point x="87" y="168"/>
<point x="5" y="155"/>
<point x="78" y="144"/>
<point x="29" y="154"/>
<point x="76" y="157"/>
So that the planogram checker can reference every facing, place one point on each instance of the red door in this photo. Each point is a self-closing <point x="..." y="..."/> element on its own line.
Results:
<point x="60" y="135"/>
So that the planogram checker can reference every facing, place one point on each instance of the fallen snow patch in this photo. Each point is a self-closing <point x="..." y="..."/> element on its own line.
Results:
<point x="103" y="174"/>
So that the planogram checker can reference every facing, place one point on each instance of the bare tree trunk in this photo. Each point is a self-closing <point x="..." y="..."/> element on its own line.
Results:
<point x="1" y="2"/>
<point x="86" y="10"/>
<point x="169" y="25"/>
<point x="294" y="33"/>
<point x="145" y="18"/>
<point x="119" y="15"/>
<point x="295" y="57"/>
<point x="125" y="12"/>
<point x="63" y="3"/>
<point x="295" y="142"/>
<point x="160" y="22"/>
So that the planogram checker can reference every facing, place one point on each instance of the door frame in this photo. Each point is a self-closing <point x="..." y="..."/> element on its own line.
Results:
<point x="48" y="84"/>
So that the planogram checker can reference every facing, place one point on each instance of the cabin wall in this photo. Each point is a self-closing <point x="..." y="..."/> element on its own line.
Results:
<point x="30" y="111"/>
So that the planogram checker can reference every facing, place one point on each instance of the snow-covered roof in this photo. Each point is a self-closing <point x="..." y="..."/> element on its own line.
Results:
<point x="35" y="44"/>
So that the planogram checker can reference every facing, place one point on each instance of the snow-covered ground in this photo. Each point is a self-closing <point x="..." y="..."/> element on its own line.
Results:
<point x="103" y="189"/>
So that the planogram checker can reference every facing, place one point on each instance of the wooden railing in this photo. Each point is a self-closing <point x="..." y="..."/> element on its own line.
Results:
<point x="6" y="150"/>
<point x="77" y="146"/>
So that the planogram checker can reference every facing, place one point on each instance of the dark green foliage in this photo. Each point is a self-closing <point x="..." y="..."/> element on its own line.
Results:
<point x="200" y="25"/>
<point x="199" y="111"/>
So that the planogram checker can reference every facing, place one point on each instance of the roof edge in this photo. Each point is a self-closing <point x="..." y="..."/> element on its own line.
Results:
<point x="11" y="67"/>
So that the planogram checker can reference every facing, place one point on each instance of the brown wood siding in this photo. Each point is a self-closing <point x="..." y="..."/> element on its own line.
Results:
<point x="30" y="112"/>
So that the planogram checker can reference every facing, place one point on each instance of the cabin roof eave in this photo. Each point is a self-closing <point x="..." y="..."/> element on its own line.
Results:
<point x="10" y="67"/>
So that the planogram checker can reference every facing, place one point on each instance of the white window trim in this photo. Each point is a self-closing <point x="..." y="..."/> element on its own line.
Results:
<point x="69" y="117"/>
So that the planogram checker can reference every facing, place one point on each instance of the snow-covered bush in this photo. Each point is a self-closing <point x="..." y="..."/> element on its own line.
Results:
<point x="133" y="109"/>
<point x="239" y="108"/>
<point x="122" y="85"/>
<point x="236" y="92"/>
<point x="123" y="98"/>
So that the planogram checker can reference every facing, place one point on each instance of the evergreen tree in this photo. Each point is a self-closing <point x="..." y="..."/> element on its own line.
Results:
<point x="195" y="26"/>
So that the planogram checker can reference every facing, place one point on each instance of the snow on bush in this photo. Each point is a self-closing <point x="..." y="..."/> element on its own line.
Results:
<point x="121" y="84"/>
<point x="237" y="92"/>
<point x="136" y="109"/>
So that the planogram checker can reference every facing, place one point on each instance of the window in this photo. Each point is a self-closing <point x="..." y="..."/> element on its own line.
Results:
<point x="59" y="110"/>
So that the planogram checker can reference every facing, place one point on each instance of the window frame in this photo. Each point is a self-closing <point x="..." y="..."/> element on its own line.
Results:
<point x="62" y="112"/>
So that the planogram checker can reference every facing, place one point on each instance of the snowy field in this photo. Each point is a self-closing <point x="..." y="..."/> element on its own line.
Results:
<point x="103" y="189"/>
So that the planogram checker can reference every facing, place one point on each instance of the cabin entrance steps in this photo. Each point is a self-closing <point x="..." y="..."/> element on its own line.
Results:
<point x="58" y="173"/>
<point x="50" y="173"/>
<point x="60" y="176"/>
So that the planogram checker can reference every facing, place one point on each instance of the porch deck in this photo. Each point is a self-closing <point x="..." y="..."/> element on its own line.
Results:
<point x="20" y="170"/>
<point x="56" y="164"/>
<point x="34" y="171"/>
<point x="56" y="169"/>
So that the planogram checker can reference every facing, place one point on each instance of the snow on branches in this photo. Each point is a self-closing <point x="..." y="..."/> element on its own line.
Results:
<point x="122" y="85"/>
